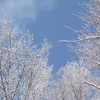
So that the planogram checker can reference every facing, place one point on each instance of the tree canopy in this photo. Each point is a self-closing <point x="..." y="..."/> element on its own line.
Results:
<point x="26" y="75"/>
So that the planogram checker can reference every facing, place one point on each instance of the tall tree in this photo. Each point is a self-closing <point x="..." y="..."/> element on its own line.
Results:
<point x="70" y="84"/>
<point x="87" y="47"/>
<point x="24" y="70"/>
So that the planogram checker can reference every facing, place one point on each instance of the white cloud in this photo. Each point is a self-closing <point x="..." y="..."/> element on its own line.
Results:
<point x="26" y="9"/>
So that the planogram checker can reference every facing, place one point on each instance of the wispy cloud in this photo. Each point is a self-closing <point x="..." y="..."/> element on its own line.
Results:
<point x="26" y="9"/>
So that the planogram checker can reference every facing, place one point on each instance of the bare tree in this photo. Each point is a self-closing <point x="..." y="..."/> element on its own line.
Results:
<point x="71" y="85"/>
<point x="87" y="47"/>
<point x="24" y="70"/>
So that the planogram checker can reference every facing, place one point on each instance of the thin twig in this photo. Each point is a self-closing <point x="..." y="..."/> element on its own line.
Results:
<point x="8" y="94"/>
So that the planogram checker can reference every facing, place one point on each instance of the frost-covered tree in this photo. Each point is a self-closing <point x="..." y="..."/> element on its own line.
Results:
<point x="87" y="47"/>
<point x="24" y="70"/>
<point x="70" y="83"/>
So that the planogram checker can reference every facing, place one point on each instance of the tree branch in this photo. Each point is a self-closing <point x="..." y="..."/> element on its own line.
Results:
<point x="92" y="85"/>
<point x="81" y="40"/>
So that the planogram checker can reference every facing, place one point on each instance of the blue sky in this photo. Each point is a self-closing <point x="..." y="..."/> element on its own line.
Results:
<point x="47" y="18"/>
